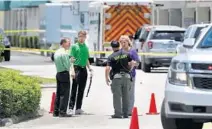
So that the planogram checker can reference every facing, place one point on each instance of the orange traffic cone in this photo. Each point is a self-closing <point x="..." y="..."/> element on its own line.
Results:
<point x="152" y="108"/>
<point x="52" y="103"/>
<point x="134" y="119"/>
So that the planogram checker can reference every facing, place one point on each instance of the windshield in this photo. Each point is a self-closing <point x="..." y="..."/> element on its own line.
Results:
<point x="172" y="35"/>
<point x="137" y="34"/>
<point x="197" y="32"/>
<point x="206" y="42"/>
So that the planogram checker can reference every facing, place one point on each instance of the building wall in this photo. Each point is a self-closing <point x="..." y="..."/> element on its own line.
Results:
<point x="184" y="13"/>
<point x="66" y="18"/>
<point x="175" y="17"/>
<point x="2" y="19"/>
<point x="32" y="19"/>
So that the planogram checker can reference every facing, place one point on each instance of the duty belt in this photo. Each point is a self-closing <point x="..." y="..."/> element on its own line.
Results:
<point x="122" y="74"/>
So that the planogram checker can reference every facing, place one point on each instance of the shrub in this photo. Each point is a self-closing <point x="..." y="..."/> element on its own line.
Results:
<point x="19" y="94"/>
<point x="1" y="51"/>
<point x="36" y="42"/>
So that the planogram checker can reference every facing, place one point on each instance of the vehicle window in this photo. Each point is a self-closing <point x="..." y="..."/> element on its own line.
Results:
<point x="145" y="35"/>
<point x="172" y="35"/>
<point x="207" y="40"/>
<point x="197" y="32"/>
<point x="137" y="34"/>
<point x="186" y="35"/>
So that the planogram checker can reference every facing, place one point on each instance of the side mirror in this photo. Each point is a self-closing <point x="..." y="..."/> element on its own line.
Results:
<point x="141" y="40"/>
<point x="189" y="42"/>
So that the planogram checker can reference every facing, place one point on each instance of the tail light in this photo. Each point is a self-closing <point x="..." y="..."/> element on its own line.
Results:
<point x="150" y="44"/>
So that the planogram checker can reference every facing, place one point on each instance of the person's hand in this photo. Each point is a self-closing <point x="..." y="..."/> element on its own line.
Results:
<point x="134" y="63"/>
<point x="90" y="70"/>
<point x="107" y="81"/>
<point x="72" y="59"/>
<point x="73" y="75"/>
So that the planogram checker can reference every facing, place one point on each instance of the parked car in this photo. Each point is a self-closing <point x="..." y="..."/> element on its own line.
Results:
<point x="159" y="39"/>
<point x="4" y="41"/>
<point x="188" y="89"/>
<point x="193" y="31"/>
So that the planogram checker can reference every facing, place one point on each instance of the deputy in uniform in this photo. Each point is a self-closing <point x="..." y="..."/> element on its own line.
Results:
<point x="118" y="67"/>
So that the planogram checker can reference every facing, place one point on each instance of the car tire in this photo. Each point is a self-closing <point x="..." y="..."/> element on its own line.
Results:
<point x="188" y="124"/>
<point x="7" y="55"/>
<point x="171" y="123"/>
<point x="146" y="67"/>
<point x="98" y="62"/>
<point x="139" y="66"/>
<point x="167" y="123"/>
<point x="52" y="57"/>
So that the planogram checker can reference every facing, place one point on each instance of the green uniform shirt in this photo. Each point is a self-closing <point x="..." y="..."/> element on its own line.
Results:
<point x="61" y="59"/>
<point x="81" y="54"/>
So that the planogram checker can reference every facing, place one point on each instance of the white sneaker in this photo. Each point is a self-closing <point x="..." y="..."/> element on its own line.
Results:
<point x="79" y="111"/>
<point x="70" y="112"/>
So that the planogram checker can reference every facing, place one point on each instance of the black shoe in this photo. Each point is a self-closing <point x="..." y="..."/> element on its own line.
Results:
<point x="55" y="114"/>
<point x="64" y="115"/>
<point x="115" y="116"/>
<point x="125" y="116"/>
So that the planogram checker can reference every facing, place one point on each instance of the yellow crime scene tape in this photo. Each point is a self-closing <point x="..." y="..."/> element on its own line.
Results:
<point x="91" y="52"/>
<point x="19" y="31"/>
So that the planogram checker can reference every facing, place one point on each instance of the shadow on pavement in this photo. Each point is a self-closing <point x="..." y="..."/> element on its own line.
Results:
<point x="159" y="71"/>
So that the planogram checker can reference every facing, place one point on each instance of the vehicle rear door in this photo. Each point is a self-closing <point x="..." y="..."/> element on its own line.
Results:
<point x="143" y="38"/>
<point x="165" y="41"/>
<point x="136" y="43"/>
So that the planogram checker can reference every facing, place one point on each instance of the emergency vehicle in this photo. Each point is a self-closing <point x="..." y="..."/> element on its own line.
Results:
<point x="109" y="20"/>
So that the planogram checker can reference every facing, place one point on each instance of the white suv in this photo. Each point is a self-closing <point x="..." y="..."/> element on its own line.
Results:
<point x="188" y="91"/>
<point x="193" y="31"/>
<point x="159" y="39"/>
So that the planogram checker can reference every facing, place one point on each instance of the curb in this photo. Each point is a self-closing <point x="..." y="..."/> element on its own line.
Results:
<point x="34" y="52"/>
<point x="45" y="86"/>
<point x="5" y="122"/>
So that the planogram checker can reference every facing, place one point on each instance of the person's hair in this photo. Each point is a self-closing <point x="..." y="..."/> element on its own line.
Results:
<point x="82" y="32"/>
<point x="64" y="40"/>
<point x="126" y="37"/>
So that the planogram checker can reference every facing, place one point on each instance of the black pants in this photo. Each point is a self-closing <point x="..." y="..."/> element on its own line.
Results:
<point x="79" y="83"/>
<point x="62" y="92"/>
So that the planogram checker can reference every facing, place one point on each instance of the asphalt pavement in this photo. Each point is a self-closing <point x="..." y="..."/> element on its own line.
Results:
<point x="98" y="104"/>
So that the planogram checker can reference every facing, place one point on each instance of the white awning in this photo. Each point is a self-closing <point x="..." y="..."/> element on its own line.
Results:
<point x="68" y="31"/>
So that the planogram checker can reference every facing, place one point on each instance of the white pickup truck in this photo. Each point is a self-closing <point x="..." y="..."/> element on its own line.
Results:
<point x="188" y="90"/>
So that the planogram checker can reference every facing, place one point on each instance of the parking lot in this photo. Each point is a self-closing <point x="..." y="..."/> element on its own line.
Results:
<point x="99" y="102"/>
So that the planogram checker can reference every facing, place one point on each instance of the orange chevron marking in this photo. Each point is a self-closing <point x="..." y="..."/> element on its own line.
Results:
<point x="133" y="23"/>
<point x="126" y="26"/>
<point x="122" y="32"/>
<point x="127" y="21"/>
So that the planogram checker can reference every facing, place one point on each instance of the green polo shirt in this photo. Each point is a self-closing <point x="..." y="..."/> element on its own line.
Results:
<point x="80" y="52"/>
<point x="62" y="61"/>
